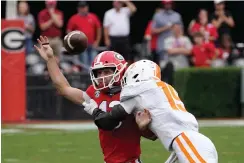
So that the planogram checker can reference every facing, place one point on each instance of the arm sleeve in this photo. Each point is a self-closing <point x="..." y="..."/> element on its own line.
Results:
<point x="129" y="104"/>
<point x="88" y="94"/>
<point x="110" y="120"/>
<point x="148" y="29"/>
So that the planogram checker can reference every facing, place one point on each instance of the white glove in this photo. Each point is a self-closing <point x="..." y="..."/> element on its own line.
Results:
<point x="90" y="107"/>
<point x="172" y="158"/>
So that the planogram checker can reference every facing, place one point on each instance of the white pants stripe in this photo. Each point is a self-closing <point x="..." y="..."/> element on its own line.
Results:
<point x="193" y="147"/>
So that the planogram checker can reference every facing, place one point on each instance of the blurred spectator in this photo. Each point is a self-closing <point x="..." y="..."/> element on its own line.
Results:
<point x="29" y="21"/>
<point x="202" y="25"/>
<point x="117" y="27"/>
<point x="222" y="19"/>
<point x="162" y="24"/>
<point x="227" y="49"/>
<point x="51" y="21"/>
<point x="89" y="24"/>
<point x="203" y="52"/>
<point x="31" y="60"/>
<point x="152" y="39"/>
<point x="178" y="47"/>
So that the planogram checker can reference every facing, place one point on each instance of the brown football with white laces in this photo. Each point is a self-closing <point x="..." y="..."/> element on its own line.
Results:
<point x="75" y="42"/>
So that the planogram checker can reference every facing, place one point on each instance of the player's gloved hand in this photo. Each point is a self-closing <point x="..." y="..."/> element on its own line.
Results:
<point x="90" y="106"/>
<point x="172" y="158"/>
<point x="143" y="119"/>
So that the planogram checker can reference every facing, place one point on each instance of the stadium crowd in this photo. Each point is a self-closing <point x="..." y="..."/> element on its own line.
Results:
<point x="207" y="43"/>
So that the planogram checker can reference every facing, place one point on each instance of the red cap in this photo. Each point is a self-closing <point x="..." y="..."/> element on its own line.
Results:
<point x="51" y="2"/>
<point x="167" y="1"/>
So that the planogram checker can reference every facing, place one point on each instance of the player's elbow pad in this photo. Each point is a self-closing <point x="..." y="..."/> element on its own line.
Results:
<point x="104" y="120"/>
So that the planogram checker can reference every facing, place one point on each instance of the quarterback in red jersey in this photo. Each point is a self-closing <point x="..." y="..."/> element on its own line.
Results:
<point x="121" y="145"/>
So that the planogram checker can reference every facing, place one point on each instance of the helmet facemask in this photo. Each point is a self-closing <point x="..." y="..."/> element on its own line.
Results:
<point x="116" y="76"/>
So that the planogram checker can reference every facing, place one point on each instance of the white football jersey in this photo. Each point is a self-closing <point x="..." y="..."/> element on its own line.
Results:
<point x="169" y="116"/>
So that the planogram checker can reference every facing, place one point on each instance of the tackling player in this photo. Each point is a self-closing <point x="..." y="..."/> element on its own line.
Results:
<point x="122" y="145"/>
<point x="176" y="128"/>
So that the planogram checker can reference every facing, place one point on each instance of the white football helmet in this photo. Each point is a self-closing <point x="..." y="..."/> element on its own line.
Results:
<point x="139" y="71"/>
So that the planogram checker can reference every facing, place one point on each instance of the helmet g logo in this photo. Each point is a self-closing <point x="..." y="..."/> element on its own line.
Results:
<point x="119" y="57"/>
<point x="12" y="39"/>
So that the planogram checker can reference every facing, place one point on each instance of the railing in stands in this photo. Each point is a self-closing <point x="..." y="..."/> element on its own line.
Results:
<point x="43" y="102"/>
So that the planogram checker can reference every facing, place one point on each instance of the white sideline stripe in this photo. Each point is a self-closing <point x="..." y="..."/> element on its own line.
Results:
<point x="69" y="127"/>
<point x="11" y="131"/>
<point x="221" y="123"/>
<point x="92" y="126"/>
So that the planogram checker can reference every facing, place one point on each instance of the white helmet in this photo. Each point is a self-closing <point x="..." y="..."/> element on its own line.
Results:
<point x="139" y="71"/>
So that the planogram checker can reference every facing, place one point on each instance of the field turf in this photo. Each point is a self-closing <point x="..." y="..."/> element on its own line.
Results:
<point x="75" y="146"/>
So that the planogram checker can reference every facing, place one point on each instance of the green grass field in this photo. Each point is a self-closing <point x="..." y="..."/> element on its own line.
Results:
<point x="54" y="146"/>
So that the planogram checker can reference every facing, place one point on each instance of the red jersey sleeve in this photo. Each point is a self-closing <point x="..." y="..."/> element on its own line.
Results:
<point x="148" y="29"/>
<point x="90" y="91"/>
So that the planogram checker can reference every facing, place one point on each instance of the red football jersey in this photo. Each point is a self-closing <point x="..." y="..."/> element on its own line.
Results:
<point x="203" y="54"/>
<point x="121" y="144"/>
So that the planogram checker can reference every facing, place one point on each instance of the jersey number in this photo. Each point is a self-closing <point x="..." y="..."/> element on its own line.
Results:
<point x="172" y="96"/>
<point x="104" y="105"/>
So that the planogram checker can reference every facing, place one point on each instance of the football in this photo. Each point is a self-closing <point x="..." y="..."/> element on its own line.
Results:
<point x="75" y="42"/>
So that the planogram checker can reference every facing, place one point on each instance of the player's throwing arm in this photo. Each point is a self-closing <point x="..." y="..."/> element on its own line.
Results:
<point x="61" y="84"/>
